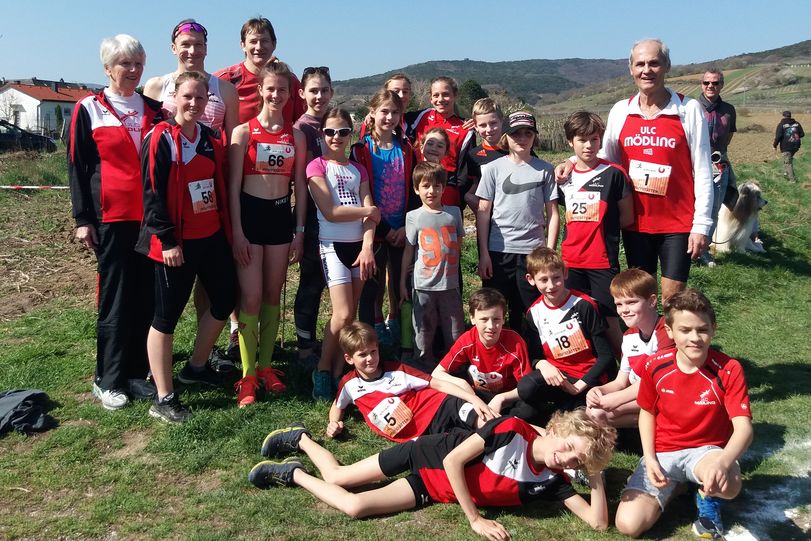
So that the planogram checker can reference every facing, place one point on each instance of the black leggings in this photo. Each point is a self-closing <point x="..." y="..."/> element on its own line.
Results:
<point x="384" y="252"/>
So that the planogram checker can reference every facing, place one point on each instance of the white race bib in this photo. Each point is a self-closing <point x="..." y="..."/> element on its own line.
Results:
<point x="274" y="159"/>
<point x="649" y="178"/>
<point x="583" y="207"/>
<point x="487" y="381"/>
<point x="566" y="339"/>
<point x="390" y="416"/>
<point x="202" y="195"/>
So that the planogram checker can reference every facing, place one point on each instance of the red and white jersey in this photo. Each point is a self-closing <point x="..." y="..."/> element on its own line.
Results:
<point x="636" y="348"/>
<point x="250" y="103"/>
<point x="461" y="140"/>
<point x="213" y="114"/>
<point x="667" y="158"/>
<point x="692" y="410"/>
<point x="565" y="331"/>
<point x="269" y="153"/>
<point x="496" y="369"/>
<point x="399" y="405"/>
<point x="591" y="200"/>
<point x="504" y="475"/>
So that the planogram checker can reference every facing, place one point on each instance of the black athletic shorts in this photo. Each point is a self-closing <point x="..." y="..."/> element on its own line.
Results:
<point x="425" y="452"/>
<point x="210" y="259"/>
<point x="267" y="221"/>
<point x="453" y="413"/>
<point x="645" y="250"/>
<point x="596" y="283"/>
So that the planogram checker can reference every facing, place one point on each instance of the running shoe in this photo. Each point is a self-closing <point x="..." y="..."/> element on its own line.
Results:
<point x="220" y="362"/>
<point x="191" y="375"/>
<point x="268" y="473"/>
<point x="383" y="334"/>
<point x="246" y="391"/>
<point x="141" y="389"/>
<point x="283" y="441"/>
<point x="270" y="379"/>
<point x="169" y="410"/>
<point x="111" y="399"/>
<point x="322" y="385"/>
<point x="708" y="525"/>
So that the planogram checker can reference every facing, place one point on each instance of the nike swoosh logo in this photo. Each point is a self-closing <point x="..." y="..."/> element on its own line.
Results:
<point x="509" y="187"/>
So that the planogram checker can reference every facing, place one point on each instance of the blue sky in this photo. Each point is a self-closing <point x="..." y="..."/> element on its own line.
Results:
<point x="53" y="39"/>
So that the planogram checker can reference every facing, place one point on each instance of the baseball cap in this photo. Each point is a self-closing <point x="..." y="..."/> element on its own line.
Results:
<point x="786" y="114"/>
<point x="518" y="120"/>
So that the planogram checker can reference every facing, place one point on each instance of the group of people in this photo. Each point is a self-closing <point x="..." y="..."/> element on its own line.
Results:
<point x="226" y="179"/>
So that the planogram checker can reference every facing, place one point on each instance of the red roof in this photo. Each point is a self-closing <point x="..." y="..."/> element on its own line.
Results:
<point x="46" y="93"/>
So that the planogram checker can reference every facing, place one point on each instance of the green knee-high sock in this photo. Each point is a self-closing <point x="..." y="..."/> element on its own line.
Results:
<point x="248" y="337"/>
<point x="268" y="329"/>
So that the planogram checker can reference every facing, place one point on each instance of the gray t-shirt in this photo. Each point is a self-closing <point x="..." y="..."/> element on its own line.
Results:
<point x="519" y="192"/>
<point x="437" y="238"/>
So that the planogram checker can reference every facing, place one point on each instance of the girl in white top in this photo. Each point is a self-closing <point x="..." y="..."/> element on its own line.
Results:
<point x="347" y="220"/>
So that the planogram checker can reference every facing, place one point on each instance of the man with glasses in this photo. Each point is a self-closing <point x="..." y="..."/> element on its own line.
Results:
<point x="720" y="117"/>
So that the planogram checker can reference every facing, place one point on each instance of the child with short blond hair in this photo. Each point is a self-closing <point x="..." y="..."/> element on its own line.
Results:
<point x="635" y="296"/>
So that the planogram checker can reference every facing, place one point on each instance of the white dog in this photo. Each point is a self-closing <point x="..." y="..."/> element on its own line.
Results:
<point x="736" y="228"/>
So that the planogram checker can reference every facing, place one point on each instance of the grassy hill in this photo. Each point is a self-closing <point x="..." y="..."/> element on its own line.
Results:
<point x="771" y="79"/>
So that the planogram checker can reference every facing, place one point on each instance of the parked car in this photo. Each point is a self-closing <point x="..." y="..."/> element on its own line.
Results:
<point x="12" y="137"/>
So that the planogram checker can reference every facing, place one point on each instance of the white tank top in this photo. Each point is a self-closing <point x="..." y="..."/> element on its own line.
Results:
<point x="213" y="116"/>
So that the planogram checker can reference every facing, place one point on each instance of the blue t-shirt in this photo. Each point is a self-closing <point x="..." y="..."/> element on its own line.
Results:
<point x="388" y="169"/>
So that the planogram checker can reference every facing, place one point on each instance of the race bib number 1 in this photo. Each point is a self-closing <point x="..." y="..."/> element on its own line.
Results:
<point x="583" y="207"/>
<point x="566" y="338"/>
<point x="202" y="196"/>
<point x="649" y="178"/>
<point x="390" y="416"/>
<point x="274" y="159"/>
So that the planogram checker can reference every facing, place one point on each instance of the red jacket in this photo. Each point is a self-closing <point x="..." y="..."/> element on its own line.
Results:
<point x="165" y="183"/>
<point x="103" y="165"/>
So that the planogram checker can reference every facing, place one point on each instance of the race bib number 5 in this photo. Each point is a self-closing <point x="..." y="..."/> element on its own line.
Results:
<point x="390" y="416"/>
<point x="274" y="159"/>
<point x="566" y="339"/>
<point x="202" y="195"/>
<point x="583" y="207"/>
<point x="649" y="178"/>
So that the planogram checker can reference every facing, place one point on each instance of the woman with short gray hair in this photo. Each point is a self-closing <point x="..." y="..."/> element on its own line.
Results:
<point x="104" y="170"/>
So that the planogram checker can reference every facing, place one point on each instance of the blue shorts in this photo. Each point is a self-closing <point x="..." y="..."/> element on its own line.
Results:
<point x="679" y="467"/>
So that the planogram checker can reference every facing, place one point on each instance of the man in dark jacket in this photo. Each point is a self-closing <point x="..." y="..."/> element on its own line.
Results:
<point x="788" y="135"/>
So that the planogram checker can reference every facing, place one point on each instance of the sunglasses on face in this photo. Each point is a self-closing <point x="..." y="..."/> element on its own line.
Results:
<point x="340" y="132"/>
<point x="189" y="27"/>
<point x="711" y="83"/>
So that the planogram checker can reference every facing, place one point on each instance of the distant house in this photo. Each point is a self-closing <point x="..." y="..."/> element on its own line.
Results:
<point x="31" y="104"/>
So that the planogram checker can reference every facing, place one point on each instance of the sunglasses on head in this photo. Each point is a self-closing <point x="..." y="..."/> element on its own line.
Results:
<point x="321" y="70"/>
<point x="711" y="83"/>
<point x="340" y="132"/>
<point x="189" y="27"/>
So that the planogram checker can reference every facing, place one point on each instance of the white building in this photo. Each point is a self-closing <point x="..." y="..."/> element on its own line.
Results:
<point x="32" y="105"/>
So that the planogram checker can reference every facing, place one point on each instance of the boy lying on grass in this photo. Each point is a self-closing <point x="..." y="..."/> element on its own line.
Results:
<point x="505" y="463"/>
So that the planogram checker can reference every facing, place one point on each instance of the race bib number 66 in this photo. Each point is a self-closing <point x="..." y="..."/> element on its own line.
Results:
<point x="274" y="159"/>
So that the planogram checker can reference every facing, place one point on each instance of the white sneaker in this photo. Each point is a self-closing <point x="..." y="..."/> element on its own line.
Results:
<point x="112" y="399"/>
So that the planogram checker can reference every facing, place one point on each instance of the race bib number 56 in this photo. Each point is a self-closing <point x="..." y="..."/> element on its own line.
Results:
<point x="390" y="416"/>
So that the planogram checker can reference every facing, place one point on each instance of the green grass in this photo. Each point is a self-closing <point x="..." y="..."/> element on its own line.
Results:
<point x="34" y="168"/>
<point x="103" y="475"/>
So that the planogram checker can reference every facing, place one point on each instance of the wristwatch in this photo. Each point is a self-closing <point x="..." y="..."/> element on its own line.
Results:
<point x="299" y="229"/>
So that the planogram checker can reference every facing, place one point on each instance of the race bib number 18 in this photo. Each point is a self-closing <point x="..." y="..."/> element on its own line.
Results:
<point x="649" y="178"/>
<point x="390" y="416"/>
<point x="566" y="338"/>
